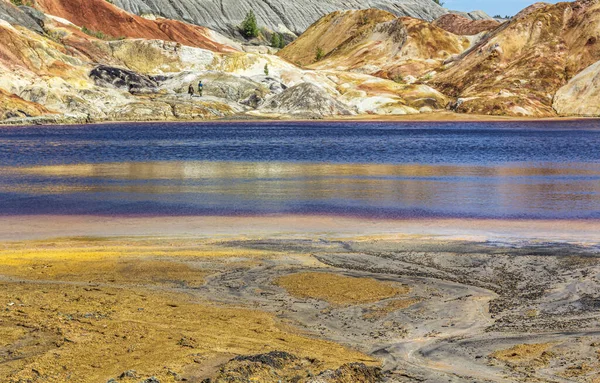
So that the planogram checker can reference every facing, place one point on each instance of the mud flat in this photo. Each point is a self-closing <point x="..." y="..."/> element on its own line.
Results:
<point x="298" y="299"/>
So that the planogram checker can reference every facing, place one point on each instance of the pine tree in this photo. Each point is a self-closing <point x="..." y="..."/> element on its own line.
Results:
<point x="282" y="42"/>
<point x="249" y="26"/>
<point x="267" y="70"/>
<point x="275" y="40"/>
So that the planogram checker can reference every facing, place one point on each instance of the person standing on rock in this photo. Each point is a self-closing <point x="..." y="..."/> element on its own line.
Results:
<point x="191" y="90"/>
<point x="200" y="88"/>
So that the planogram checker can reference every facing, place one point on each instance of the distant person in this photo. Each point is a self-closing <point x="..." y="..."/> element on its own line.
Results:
<point x="191" y="90"/>
<point x="200" y="88"/>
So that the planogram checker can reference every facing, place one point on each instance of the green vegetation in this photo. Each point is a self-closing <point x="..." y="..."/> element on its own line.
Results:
<point x="319" y="54"/>
<point x="364" y="19"/>
<point x="55" y="36"/>
<point x="249" y="27"/>
<point x="277" y="40"/>
<point x="398" y="78"/>
<point x="266" y="69"/>
<point x="19" y="3"/>
<point x="100" y="35"/>
<point x="439" y="2"/>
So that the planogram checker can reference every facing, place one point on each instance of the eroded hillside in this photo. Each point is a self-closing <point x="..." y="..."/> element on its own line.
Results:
<point x="284" y="16"/>
<point x="374" y="42"/>
<point x="86" y="61"/>
<point x="518" y="69"/>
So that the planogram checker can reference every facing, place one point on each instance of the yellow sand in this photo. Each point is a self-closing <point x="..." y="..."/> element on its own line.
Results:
<point x="92" y="309"/>
<point x="338" y="289"/>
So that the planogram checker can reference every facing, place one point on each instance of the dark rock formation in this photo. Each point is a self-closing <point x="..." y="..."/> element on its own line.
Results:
<point x="122" y="79"/>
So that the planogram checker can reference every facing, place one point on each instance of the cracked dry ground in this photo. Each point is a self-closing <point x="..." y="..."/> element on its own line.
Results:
<point x="389" y="309"/>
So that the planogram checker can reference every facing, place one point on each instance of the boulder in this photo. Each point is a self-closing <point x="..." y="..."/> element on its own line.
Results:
<point x="581" y="95"/>
<point x="307" y="101"/>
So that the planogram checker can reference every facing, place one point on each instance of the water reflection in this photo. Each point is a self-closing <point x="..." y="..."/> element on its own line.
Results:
<point x="532" y="190"/>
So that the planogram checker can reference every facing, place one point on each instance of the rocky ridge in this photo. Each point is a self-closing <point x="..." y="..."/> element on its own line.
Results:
<point x="460" y="25"/>
<point x="291" y="17"/>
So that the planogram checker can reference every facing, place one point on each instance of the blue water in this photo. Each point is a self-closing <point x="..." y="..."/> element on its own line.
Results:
<point x="392" y="170"/>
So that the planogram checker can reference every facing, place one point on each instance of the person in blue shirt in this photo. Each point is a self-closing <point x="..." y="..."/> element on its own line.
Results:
<point x="200" y="88"/>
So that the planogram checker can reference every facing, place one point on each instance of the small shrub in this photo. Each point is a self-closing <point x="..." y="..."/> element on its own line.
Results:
<point x="319" y="54"/>
<point x="19" y="3"/>
<point x="99" y="35"/>
<point x="398" y="78"/>
<point x="364" y="19"/>
<point x="266" y="69"/>
<point x="55" y="36"/>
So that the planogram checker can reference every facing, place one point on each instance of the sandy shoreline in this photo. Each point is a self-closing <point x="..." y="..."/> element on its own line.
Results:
<point x="260" y="299"/>
<point x="48" y="226"/>
<point x="440" y="117"/>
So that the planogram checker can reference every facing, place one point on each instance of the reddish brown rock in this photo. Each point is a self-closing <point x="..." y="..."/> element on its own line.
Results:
<point x="460" y="25"/>
<point x="113" y="22"/>
<point x="12" y="106"/>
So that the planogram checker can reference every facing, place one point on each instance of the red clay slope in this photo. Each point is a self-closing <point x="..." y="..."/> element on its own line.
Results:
<point x="100" y="15"/>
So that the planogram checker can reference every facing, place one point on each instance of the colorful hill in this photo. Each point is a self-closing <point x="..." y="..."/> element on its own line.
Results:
<point x="113" y="22"/>
<point x="374" y="42"/>
<point x="519" y="67"/>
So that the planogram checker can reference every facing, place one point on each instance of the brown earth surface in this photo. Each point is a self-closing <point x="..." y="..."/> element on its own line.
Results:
<point x="460" y="25"/>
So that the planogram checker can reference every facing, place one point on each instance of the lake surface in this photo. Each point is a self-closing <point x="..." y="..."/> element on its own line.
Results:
<point x="391" y="170"/>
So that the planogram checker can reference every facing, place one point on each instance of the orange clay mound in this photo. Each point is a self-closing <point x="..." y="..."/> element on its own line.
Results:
<point x="100" y="15"/>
